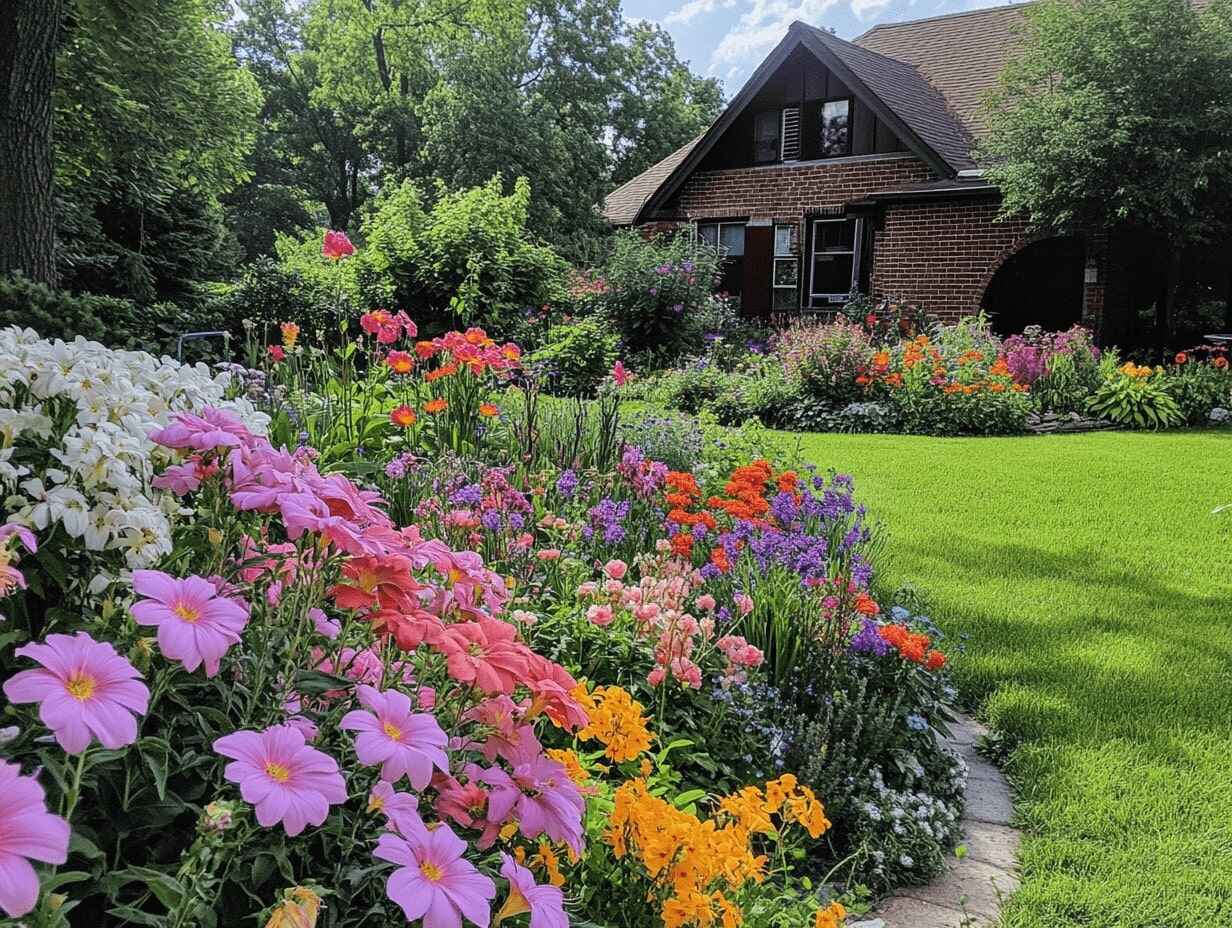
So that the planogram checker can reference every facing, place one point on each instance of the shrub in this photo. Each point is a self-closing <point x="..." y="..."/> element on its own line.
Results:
<point x="1061" y="368"/>
<point x="269" y="293"/>
<point x="658" y="294"/>
<point x="1135" y="396"/>
<point x="577" y="356"/>
<point x="1199" y="386"/>
<point x="825" y="358"/>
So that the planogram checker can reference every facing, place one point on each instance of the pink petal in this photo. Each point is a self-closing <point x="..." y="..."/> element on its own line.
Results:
<point x="32" y="686"/>
<point x="178" y="643"/>
<point x="442" y="913"/>
<point x="114" y="726"/>
<point x="38" y="835"/>
<point x="410" y="890"/>
<point x="154" y="584"/>
<point x="131" y="694"/>
<point x="394" y="849"/>
<point x="273" y="807"/>
<point x="151" y="612"/>
<point x="247" y="746"/>
<point x="19" y="885"/>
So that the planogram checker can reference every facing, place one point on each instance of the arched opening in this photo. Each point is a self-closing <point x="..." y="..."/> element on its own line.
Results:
<point x="1042" y="284"/>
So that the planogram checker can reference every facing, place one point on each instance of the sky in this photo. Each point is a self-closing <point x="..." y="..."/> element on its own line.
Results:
<point x="728" y="39"/>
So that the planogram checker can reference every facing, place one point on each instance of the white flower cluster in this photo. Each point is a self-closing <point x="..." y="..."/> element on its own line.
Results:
<point x="75" y="452"/>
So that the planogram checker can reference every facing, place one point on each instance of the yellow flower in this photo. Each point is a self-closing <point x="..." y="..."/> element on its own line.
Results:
<point x="547" y="861"/>
<point x="779" y="791"/>
<point x="572" y="764"/>
<point x="616" y="721"/>
<point x="299" y="909"/>
<point x="830" y="917"/>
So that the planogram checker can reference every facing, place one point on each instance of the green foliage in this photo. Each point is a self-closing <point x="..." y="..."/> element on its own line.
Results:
<point x="935" y="412"/>
<point x="1134" y="400"/>
<point x="154" y="121"/>
<point x="1198" y="388"/>
<point x="269" y="293"/>
<point x="825" y="358"/>
<point x="577" y="356"/>
<point x="658" y="293"/>
<point x="1118" y="111"/>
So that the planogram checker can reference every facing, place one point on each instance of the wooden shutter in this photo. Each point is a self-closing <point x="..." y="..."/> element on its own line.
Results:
<point x="791" y="133"/>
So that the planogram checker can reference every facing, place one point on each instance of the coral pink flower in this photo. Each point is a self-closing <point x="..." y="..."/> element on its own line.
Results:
<point x="706" y="602"/>
<point x="195" y="624"/>
<point x="336" y="245"/>
<point x="405" y="743"/>
<point x="84" y="689"/>
<point x="467" y="805"/>
<point x="615" y="569"/>
<point x="484" y="653"/>
<point x="545" y="903"/>
<point x="619" y="374"/>
<point x="27" y="832"/>
<point x="277" y="353"/>
<point x="213" y="428"/>
<point x="434" y="882"/>
<point x="600" y="615"/>
<point x="286" y="780"/>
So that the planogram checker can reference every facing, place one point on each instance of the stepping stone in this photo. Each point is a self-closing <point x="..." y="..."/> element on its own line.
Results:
<point x="971" y="886"/>
<point x="991" y="844"/>
<point x="989" y="801"/>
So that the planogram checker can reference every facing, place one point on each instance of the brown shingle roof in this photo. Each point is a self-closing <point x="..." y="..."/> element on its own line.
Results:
<point x="901" y="87"/>
<point x="961" y="54"/>
<point x="621" y="206"/>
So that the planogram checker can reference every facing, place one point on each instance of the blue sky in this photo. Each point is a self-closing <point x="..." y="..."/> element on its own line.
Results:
<point x="727" y="39"/>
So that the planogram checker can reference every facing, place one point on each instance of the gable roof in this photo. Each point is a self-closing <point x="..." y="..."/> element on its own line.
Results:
<point x="622" y="205"/>
<point x="960" y="54"/>
<point x="914" y="111"/>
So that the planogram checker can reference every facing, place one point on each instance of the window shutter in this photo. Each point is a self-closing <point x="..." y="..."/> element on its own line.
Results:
<point x="791" y="133"/>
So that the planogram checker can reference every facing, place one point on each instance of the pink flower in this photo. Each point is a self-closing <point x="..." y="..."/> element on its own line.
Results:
<point x="744" y="603"/>
<point x="336" y="245"/>
<point x="214" y="428"/>
<point x="656" y="676"/>
<point x="545" y="903"/>
<point x="10" y="577"/>
<point x="539" y="796"/>
<point x="27" y="832"/>
<point x="615" y="569"/>
<point x="84" y="689"/>
<point x="401" y="810"/>
<point x="195" y="624"/>
<point x="484" y="653"/>
<point x="619" y="374"/>
<point x="390" y="734"/>
<point x="286" y="780"/>
<point x="434" y="882"/>
<point x="706" y="602"/>
<point x="548" y="554"/>
<point x="600" y="615"/>
<point x="277" y="353"/>
<point x="324" y="625"/>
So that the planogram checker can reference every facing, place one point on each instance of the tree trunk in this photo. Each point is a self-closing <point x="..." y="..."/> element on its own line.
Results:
<point x="1165" y="307"/>
<point x="29" y="35"/>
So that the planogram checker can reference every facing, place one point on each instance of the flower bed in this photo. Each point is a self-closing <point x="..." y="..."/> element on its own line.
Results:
<point x="404" y="642"/>
<point x="881" y="374"/>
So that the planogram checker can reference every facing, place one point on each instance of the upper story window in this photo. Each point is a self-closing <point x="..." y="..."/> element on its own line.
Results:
<point x="767" y="133"/>
<point x="835" y="128"/>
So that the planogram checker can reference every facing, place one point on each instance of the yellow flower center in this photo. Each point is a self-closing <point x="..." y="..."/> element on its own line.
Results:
<point x="80" y="686"/>
<point x="431" y="871"/>
<point x="187" y="613"/>
<point x="392" y="731"/>
<point x="277" y="772"/>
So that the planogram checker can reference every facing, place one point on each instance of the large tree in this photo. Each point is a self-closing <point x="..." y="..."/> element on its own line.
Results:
<point x="29" y="33"/>
<point x="1118" y="113"/>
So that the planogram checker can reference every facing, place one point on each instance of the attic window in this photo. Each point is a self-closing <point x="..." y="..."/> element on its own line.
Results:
<point x="767" y="127"/>
<point x="835" y="128"/>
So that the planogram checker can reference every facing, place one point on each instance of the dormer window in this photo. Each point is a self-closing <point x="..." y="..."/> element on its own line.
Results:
<point x="835" y="128"/>
<point x="767" y="132"/>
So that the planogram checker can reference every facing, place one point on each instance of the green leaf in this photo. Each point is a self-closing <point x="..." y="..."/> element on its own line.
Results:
<point x="316" y="682"/>
<point x="155" y="753"/>
<point x="136" y="916"/>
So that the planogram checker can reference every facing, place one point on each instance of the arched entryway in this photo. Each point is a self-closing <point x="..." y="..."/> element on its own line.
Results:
<point x="1040" y="284"/>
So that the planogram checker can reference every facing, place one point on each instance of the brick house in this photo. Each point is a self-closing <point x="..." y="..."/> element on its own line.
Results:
<point x="849" y="165"/>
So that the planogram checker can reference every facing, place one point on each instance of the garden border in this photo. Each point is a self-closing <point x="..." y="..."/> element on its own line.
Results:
<point x="971" y="892"/>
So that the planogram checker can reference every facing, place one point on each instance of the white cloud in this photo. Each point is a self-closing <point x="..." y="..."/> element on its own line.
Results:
<point x="763" y="26"/>
<point x="863" y="7"/>
<point x="695" y="8"/>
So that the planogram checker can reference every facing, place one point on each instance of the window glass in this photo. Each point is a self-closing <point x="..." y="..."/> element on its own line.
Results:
<point x="834" y="236"/>
<point x="836" y="127"/>
<point x="708" y="234"/>
<point x="782" y="240"/>
<point x="833" y="260"/>
<point x="766" y="128"/>
<point x="786" y="272"/>
<point x="731" y="237"/>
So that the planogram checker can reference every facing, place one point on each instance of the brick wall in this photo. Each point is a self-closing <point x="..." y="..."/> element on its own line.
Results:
<point x="788" y="192"/>
<point x="942" y="255"/>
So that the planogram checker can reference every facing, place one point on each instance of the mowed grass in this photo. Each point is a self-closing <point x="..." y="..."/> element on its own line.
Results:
<point x="1096" y="590"/>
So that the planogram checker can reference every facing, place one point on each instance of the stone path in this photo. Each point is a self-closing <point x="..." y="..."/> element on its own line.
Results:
<point x="970" y="893"/>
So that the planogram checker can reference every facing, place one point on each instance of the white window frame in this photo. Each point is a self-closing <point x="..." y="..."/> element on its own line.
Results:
<point x="856" y="249"/>
<point x="718" y="241"/>
<point x="776" y="257"/>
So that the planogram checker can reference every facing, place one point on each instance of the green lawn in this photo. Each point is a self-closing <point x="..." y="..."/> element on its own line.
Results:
<point x="1096" y="590"/>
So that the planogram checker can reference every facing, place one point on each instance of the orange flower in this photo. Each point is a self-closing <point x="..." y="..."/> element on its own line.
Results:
<point x="489" y="409"/>
<point x="866" y="605"/>
<point x="432" y="407"/>
<point x="400" y="362"/>
<point x="403" y="416"/>
<point x="447" y="370"/>
<point x="934" y="660"/>
<point x="718" y="557"/>
<point x="425" y="349"/>
<point x="1221" y="362"/>
<point x="682" y="544"/>
<point x="290" y="334"/>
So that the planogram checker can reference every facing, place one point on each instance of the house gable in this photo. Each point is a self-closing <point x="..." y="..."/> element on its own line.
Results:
<point x="912" y="115"/>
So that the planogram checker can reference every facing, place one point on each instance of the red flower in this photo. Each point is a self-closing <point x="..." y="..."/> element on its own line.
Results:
<point x="866" y="605"/>
<point x="403" y="416"/>
<point x="371" y="579"/>
<point x="934" y="660"/>
<point x="1181" y="357"/>
<point x="1221" y="362"/>
<point x="336" y="245"/>
<point x="276" y="352"/>
<point x="400" y="362"/>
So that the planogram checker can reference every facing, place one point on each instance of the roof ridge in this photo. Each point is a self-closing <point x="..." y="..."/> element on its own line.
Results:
<point x="827" y="35"/>
<point x="929" y="19"/>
